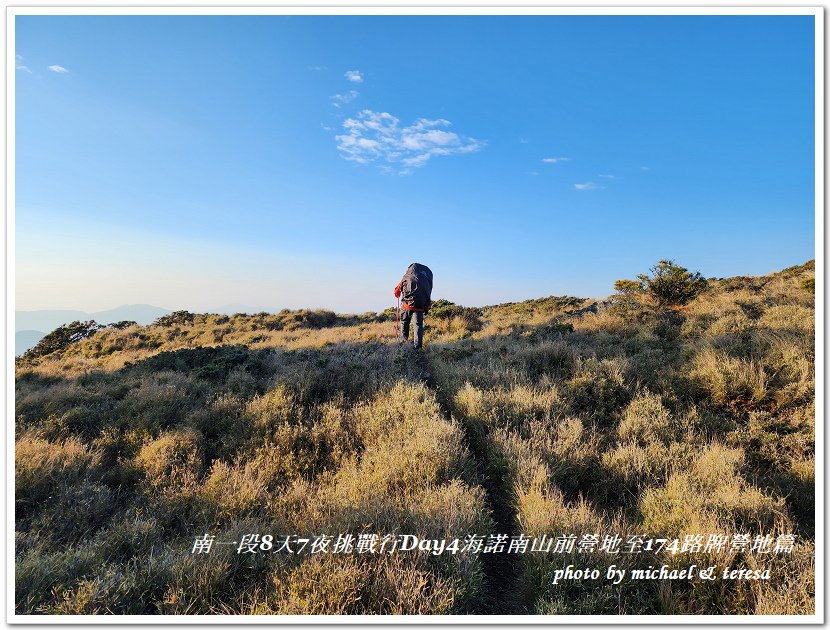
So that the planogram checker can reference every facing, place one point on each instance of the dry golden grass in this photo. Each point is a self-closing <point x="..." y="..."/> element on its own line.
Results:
<point x="132" y="442"/>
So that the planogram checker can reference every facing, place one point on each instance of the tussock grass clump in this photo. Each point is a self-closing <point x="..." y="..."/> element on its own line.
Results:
<point x="158" y="402"/>
<point x="563" y="451"/>
<point x="40" y="573"/>
<point x="129" y="536"/>
<point x="276" y="407"/>
<point x="407" y="446"/>
<point x="242" y="487"/>
<point x="65" y="403"/>
<point x="288" y="446"/>
<point x="83" y="508"/>
<point x="543" y="509"/>
<point x="502" y="406"/>
<point x="173" y="459"/>
<point x="223" y="425"/>
<point x="637" y="466"/>
<point x="599" y="390"/>
<point x="42" y="466"/>
<point x="450" y="321"/>
<point x="350" y="585"/>
<point x="736" y="384"/>
<point x="411" y="473"/>
<point x="555" y="358"/>
<point x="646" y="420"/>
<point x="711" y="491"/>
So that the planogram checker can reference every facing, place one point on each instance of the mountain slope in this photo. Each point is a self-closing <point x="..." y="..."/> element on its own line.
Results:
<point x="545" y="418"/>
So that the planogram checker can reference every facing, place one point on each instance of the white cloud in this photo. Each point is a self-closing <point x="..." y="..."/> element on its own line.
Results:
<point x="18" y="64"/>
<point x="644" y="168"/>
<point x="354" y="76"/>
<point x="524" y="140"/>
<point x="534" y="173"/>
<point x="377" y="137"/>
<point x="325" y="127"/>
<point x="58" y="69"/>
<point x="588" y="186"/>
<point x="341" y="99"/>
<point x="609" y="176"/>
<point x="554" y="160"/>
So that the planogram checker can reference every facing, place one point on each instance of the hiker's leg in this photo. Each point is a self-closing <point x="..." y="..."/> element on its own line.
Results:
<point x="419" y="328"/>
<point x="405" y="317"/>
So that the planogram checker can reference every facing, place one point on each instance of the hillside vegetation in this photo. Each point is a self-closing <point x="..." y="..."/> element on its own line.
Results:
<point x="678" y="407"/>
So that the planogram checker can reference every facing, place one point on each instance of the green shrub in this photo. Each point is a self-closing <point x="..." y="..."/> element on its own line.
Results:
<point x="673" y="285"/>
<point x="61" y="338"/>
<point x="126" y="323"/>
<point x="669" y="286"/>
<point x="176" y="318"/>
<point x="630" y="297"/>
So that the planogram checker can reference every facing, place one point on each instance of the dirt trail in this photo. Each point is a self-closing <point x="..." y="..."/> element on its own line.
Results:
<point x="503" y="590"/>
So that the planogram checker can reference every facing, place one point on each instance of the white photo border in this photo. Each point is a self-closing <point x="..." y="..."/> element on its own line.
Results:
<point x="459" y="7"/>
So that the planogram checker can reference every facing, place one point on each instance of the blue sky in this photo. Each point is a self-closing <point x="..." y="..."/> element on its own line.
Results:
<point x="272" y="161"/>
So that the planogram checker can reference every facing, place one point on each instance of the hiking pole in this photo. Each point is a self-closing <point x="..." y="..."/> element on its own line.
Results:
<point x="397" y="318"/>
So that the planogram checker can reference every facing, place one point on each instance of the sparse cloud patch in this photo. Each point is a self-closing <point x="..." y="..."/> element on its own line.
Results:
<point x="341" y="99"/>
<point x="608" y="176"/>
<point x="555" y="160"/>
<point x="317" y="68"/>
<point x="377" y="137"/>
<point x="588" y="186"/>
<point x="58" y="69"/>
<point x="19" y="65"/>
<point x="354" y="76"/>
<point x="645" y="168"/>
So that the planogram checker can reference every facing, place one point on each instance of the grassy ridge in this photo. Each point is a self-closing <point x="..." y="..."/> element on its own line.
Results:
<point x="134" y="439"/>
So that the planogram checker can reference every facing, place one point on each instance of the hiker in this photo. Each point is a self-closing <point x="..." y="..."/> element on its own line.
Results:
<point x="415" y="293"/>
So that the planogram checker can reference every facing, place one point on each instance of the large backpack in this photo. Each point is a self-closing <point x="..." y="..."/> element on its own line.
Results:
<point x="416" y="286"/>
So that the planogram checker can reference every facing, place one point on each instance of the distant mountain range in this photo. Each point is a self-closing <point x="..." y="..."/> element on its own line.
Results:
<point x="31" y="326"/>
<point x="26" y="339"/>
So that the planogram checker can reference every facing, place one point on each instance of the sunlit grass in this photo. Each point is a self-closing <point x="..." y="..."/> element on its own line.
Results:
<point x="133" y="441"/>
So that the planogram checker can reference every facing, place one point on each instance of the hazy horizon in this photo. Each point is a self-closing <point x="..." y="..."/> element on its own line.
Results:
<point x="232" y="307"/>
